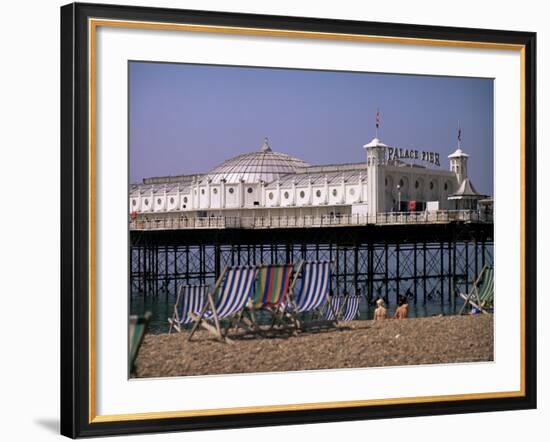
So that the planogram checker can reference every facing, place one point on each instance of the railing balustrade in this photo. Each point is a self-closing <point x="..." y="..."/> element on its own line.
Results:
<point x="270" y="222"/>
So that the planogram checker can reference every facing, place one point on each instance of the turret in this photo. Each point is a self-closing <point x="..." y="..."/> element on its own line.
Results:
<point x="458" y="161"/>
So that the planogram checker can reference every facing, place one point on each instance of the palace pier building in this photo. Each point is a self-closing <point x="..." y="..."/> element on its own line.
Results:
<point x="265" y="188"/>
<point x="402" y="221"/>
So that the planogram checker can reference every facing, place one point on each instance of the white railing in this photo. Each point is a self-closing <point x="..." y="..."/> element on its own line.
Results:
<point x="307" y="221"/>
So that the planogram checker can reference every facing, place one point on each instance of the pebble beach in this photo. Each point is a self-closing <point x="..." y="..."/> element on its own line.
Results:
<point x="356" y="344"/>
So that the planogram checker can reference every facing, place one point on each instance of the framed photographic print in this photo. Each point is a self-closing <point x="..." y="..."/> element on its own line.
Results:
<point x="274" y="220"/>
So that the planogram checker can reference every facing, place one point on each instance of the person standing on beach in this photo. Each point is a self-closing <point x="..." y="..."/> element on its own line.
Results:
<point x="402" y="310"/>
<point x="380" y="312"/>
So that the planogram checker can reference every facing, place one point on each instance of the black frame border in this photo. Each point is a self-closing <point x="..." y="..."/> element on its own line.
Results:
<point x="75" y="220"/>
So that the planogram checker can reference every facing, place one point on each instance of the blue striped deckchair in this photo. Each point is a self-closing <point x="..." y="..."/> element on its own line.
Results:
<point x="333" y="307"/>
<point x="352" y="308"/>
<point x="482" y="293"/>
<point x="190" y="300"/>
<point x="315" y="286"/>
<point x="228" y="299"/>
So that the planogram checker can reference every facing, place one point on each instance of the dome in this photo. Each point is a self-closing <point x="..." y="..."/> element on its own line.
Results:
<point x="254" y="167"/>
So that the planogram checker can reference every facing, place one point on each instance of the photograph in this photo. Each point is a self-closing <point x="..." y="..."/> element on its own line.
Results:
<point x="284" y="220"/>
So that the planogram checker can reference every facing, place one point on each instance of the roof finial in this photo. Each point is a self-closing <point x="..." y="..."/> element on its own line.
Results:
<point x="459" y="136"/>
<point x="265" y="147"/>
<point x="377" y="121"/>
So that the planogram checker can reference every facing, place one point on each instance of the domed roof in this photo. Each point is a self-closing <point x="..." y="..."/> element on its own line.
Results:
<point x="254" y="167"/>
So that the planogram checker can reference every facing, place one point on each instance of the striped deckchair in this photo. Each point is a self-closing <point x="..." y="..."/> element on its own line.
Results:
<point x="333" y="308"/>
<point x="272" y="285"/>
<point x="352" y="308"/>
<point x="482" y="293"/>
<point x="190" y="300"/>
<point x="315" y="286"/>
<point x="270" y="293"/>
<point x="227" y="300"/>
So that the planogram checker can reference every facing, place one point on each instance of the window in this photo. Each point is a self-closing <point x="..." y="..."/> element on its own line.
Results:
<point x="270" y="195"/>
<point x="202" y="191"/>
<point x="386" y="181"/>
<point x="215" y="190"/>
<point x="249" y="190"/>
<point x="172" y="200"/>
<point x="146" y="202"/>
<point x="334" y="192"/>
<point x="416" y="184"/>
<point x="134" y="202"/>
<point x="302" y="194"/>
<point x="446" y="186"/>
<point x="286" y="195"/>
<point x="318" y="193"/>
<point x="185" y="199"/>
<point x="401" y="183"/>
<point x="231" y="190"/>
<point x="352" y="191"/>
<point x="431" y="185"/>
<point x="159" y="201"/>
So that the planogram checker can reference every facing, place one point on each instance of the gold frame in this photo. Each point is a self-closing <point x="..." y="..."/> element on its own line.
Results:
<point x="93" y="24"/>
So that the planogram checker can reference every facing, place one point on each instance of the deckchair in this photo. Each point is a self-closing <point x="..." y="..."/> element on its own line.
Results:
<point x="352" y="308"/>
<point x="333" y="308"/>
<point x="137" y="327"/>
<point x="227" y="300"/>
<point x="313" y="291"/>
<point x="482" y="292"/>
<point x="190" y="300"/>
<point x="270" y="291"/>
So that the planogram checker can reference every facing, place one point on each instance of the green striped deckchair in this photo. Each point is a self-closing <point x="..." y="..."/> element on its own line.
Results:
<point x="137" y="327"/>
<point x="482" y="294"/>
<point x="272" y="285"/>
<point x="270" y="292"/>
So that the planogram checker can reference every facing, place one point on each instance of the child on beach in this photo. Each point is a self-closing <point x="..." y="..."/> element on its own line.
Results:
<point x="402" y="310"/>
<point x="380" y="312"/>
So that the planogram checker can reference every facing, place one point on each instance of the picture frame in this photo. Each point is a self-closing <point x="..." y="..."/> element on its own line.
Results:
<point x="79" y="203"/>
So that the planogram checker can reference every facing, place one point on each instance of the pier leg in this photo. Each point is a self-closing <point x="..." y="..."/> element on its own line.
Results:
<point x="397" y="271"/>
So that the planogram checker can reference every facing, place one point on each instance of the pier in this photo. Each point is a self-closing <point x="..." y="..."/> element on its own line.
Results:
<point x="427" y="257"/>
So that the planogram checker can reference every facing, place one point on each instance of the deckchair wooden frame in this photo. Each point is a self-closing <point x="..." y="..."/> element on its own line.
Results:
<point x="474" y="292"/>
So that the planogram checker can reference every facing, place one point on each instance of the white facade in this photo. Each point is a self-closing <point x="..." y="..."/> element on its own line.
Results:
<point x="267" y="183"/>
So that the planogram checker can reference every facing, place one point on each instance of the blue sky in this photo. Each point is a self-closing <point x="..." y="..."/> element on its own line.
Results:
<point x="189" y="118"/>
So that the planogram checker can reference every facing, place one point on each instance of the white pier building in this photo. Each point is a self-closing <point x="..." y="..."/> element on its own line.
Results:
<point x="265" y="188"/>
